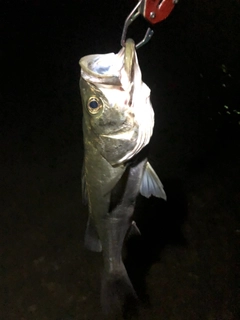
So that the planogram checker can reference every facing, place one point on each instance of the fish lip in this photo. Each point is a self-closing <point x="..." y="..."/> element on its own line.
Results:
<point x="129" y="55"/>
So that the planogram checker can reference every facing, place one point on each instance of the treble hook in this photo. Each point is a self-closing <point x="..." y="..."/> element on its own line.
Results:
<point x="132" y="16"/>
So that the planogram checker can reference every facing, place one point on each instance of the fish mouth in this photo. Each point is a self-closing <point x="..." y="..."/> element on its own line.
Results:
<point x="101" y="68"/>
<point x="108" y="69"/>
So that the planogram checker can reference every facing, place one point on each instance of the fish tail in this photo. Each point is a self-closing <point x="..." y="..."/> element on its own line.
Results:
<point x="117" y="293"/>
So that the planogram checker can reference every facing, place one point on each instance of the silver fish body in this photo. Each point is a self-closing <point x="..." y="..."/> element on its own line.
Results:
<point x="118" y="121"/>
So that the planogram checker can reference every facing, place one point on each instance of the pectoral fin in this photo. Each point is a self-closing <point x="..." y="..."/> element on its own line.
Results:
<point x="91" y="240"/>
<point x="84" y="187"/>
<point x="133" y="231"/>
<point x="151" y="184"/>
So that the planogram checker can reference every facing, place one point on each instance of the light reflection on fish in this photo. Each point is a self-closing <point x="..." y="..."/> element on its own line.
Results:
<point x="118" y="121"/>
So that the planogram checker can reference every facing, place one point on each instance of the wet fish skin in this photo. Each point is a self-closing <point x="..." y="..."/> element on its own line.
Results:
<point x="115" y="165"/>
<point x="111" y="219"/>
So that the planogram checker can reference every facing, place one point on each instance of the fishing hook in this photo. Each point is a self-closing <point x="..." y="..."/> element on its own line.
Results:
<point x="132" y="16"/>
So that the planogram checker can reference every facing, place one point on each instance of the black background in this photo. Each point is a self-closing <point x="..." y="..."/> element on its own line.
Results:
<point x="185" y="266"/>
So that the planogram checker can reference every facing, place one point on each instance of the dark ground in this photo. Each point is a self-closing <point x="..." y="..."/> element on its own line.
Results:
<point x="186" y="264"/>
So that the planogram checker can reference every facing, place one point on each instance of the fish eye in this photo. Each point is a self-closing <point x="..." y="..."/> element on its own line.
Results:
<point x="94" y="105"/>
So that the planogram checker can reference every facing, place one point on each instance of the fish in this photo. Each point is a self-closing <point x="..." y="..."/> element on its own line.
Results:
<point x="118" y="121"/>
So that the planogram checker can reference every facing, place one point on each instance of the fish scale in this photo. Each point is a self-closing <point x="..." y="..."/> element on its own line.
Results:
<point x="115" y="169"/>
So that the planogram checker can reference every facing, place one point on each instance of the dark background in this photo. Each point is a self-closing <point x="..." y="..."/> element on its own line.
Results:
<point x="186" y="264"/>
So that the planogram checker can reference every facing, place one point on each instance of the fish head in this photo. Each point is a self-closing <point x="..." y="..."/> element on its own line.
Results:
<point x="105" y="112"/>
<point x="117" y="114"/>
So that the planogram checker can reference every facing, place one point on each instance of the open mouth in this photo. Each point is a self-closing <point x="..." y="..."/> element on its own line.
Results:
<point x="107" y="68"/>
